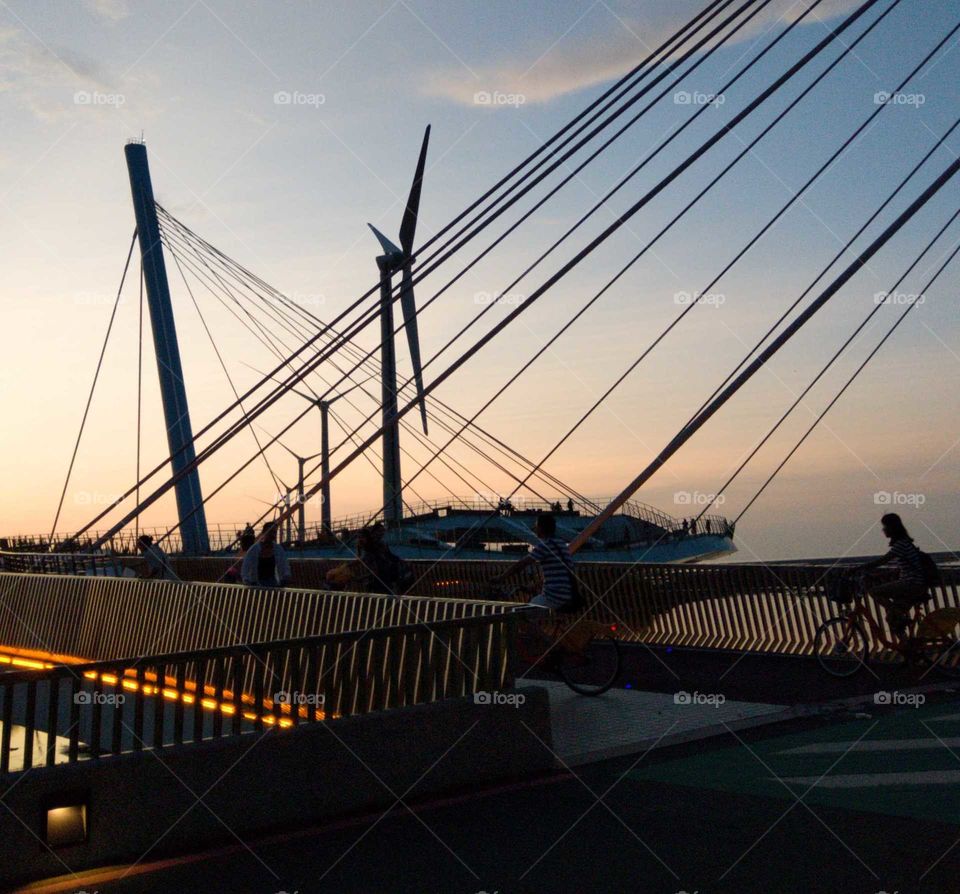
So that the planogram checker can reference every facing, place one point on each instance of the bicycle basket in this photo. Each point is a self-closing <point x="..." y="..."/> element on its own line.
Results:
<point x="942" y="622"/>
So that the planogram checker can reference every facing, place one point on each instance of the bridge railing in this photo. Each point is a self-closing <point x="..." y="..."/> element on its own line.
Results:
<point x="749" y="607"/>
<point x="97" y="710"/>
<point x="107" y="617"/>
<point x="770" y="608"/>
<point x="91" y="564"/>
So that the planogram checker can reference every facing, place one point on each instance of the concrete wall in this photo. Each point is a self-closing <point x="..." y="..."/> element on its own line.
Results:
<point x="281" y="779"/>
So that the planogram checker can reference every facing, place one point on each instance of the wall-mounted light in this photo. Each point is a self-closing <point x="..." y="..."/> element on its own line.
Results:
<point x="66" y="825"/>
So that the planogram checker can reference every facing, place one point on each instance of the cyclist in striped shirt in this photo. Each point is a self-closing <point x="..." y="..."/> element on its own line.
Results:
<point x="910" y="588"/>
<point x="556" y="565"/>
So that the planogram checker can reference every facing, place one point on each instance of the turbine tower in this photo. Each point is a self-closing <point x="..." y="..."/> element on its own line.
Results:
<point x="392" y="260"/>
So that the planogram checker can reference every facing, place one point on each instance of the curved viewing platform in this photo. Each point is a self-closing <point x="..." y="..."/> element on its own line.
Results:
<point x="457" y="528"/>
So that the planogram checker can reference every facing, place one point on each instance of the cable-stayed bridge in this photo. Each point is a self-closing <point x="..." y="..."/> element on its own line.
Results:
<point x="204" y="666"/>
<point x="323" y="362"/>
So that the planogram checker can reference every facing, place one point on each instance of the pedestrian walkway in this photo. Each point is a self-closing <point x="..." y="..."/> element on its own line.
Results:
<point x="624" y="721"/>
<point x="902" y="764"/>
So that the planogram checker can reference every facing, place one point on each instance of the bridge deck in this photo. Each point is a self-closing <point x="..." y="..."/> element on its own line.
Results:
<point x="628" y="721"/>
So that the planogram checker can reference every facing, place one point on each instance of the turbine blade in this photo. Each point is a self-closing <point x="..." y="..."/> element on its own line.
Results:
<point x="408" y="304"/>
<point x="408" y="228"/>
<point x="388" y="247"/>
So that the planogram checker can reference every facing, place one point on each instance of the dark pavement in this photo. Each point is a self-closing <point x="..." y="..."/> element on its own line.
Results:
<point x="798" y="806"/>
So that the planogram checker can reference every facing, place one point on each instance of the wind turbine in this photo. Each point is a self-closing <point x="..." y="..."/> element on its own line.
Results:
<point x="392" y="260"/>
<point x="301" y="510"/>
<point x="326" y="512"/>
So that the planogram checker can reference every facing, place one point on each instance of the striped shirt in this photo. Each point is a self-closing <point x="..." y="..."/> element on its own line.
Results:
<point x="556" y="565"/>
<point x="907" y="557"/>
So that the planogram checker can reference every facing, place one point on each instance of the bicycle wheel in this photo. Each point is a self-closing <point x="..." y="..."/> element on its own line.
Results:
<point x="594" y="670"/>
<point x="840" y="645"/>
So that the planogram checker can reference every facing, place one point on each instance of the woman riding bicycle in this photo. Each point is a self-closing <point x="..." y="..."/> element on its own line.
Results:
<point x="910" y="588"/>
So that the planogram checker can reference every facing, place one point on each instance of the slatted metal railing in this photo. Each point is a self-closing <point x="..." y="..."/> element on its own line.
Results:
<point x="756" y="607"/>
<point x="750" y="607"/>
<point x="91" y="564"/>
<point x="108" y="617"/>
<point x="96" y="710"/>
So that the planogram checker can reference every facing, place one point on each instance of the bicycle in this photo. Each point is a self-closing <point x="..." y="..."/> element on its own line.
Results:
<point x="584" y="654"/>
<point x="841" y="644"/>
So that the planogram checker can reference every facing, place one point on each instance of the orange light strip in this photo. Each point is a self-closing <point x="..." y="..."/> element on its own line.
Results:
<point x="48" y="659"/>
<point x="29" y="663"/>
<point x="35" y="660"/>
<point x="225" y="706"/>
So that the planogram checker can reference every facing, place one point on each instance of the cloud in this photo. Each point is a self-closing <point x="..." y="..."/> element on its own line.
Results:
<point x="42" y="79"/>
<point x="615" y="45"/>
<point x="113" y="10"/>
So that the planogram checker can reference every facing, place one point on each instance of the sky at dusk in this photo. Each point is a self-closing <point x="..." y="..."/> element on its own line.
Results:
<point x="277" y="130"/>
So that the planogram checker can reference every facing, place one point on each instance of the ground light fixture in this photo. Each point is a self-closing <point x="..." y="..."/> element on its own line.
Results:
<point x="65" y="822"/>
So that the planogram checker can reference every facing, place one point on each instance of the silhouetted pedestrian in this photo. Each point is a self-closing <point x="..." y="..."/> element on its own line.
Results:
<point x="155" y="564"/>
<point x="265" y="563"/>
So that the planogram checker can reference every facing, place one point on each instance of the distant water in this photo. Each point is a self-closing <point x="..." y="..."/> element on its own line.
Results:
<point x="945" y="559"/>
